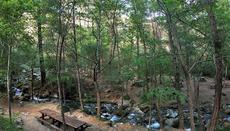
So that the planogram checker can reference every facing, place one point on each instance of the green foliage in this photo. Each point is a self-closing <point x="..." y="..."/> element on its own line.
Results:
<point x="126" y="97"/>
<point x="126" y="73"/>
<point x="163" y="95"/>
<point x="224" y="129"/>
<point x="5" y="125"/>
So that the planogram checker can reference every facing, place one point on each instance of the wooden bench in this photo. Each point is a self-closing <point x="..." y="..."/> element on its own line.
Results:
<point x="56" y="118"/>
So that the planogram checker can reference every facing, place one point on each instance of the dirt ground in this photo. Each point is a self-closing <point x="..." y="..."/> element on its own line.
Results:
<point x="207" y="94"/>
<point x="29" y="110"/>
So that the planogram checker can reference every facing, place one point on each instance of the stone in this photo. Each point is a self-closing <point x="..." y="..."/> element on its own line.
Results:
<point x="154" y="125"/>
<point x="202" y="79"/>
<point x="115" y="118"/>
<point x="19" y="122"/>
<point x="171" y="113"/>
<point x="227" y="111"/>
<point x="172" y="122"/>
<point x="106" y="116"/>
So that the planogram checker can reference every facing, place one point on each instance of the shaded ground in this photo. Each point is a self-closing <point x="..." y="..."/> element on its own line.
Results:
<point x="29" y="110"/>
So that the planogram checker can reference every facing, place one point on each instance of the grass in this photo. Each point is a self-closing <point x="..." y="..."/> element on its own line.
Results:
<point x="5" y="125"/>
<point x="225" y="129"/>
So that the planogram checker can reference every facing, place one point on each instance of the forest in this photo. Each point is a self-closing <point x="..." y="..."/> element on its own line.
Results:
<point x="114" y="65"/>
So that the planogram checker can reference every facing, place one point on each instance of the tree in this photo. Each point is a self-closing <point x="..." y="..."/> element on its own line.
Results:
<point x="40" y="46"/>
<point x="10" y="26"/>
<point x="217" y="42"/>
<point x="59" y="61"/>
<point x="76" y="57"/>
<point x="162" y="95"/>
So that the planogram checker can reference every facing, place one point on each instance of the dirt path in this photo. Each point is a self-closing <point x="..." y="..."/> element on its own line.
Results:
<point x="29" y="110"/>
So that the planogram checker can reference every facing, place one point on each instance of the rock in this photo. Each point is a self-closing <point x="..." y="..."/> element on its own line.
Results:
<point x="187" y="129"/>
<point x="135" y="118"/>
<point x="19" y="122"/>
<point x="227" y="119"/>
<point x="121" y="112"/>
<point x="154" y="125"/>
<point x="138" y="110"/>
<point x="206" y="119"/>
<point x="171" y="113"/>
<point x="37" y="99"/>
<point x="202" y="79"/>
<point x="227" y="111"/>
<point x="172" y="122"/>
<point x="19" y="127"/>
<point x="108" y="107"/>
<point x="115" y="118"/>
<point x="90" y="109"/>
<point x="106" y="116"/>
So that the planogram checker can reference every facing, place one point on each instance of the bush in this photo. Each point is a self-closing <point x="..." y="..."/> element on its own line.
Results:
<point x="225" y="129"/>
<point x="6" y="126"/>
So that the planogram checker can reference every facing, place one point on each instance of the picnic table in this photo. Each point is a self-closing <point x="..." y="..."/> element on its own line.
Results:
<point x="56" y="117"/>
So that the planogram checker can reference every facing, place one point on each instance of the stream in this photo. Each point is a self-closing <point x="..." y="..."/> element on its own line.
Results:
<point x="136" y="116"/>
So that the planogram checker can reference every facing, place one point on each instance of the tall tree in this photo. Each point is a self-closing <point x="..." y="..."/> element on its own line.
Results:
<point x="175" y="58"/>
<point x="60" y="45"/>
<point x="9" y="82"/>
<point x="217" y="43"/>
<point x="40" y="45"/>
<point x="76" y="57"/>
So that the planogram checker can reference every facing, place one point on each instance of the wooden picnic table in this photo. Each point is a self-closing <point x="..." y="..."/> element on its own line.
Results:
<point x="56" y="117"/>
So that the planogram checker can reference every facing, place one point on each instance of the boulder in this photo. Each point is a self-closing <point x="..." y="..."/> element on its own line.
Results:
<point x="172" y="122"/>
<point x="19" y="122"/>
<point x="106" y="116"/>
<point x="171" y="113"/>
<point x="138" y="110"/>
<point x="227" y="111"/>
<point x="154" y="125"/>
<point x="202" y="79"/>
<point x="115" y="118"/>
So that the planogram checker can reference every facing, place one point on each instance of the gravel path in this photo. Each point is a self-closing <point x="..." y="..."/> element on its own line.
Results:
<point x="31" y="124"/>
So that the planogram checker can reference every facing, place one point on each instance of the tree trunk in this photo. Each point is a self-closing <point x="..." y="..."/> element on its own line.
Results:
<point x="185" y="69"/>
<point x="190" y="100"/>
<point x="40" y="48"/>
<point x="97" y="92"/>
<point x="97" y="68"/>
<point x="60" y="88"/>
<point x="77" y="78"/>
<point x="219" y="67"/>
<point x="9" y="82"/>
<point x="159" y="114"/>
<point x="32" y="82"/>
<point x="61" y="44"/>
<point x="150" y="115"/>
<point x="175" y="62"/>
<point x="197" y="102"/>
<point x="77" y="75"/>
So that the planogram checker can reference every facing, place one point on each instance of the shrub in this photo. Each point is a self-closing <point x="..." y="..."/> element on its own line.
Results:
<point x="5" y="125"/>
